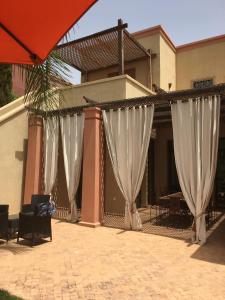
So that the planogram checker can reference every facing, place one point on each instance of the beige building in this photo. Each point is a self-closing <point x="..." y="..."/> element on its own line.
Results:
<point x="195" y="65"/>
<point x="14" y="139"/>
<point x="155" y="64"/>
<point x="175" y="67"/>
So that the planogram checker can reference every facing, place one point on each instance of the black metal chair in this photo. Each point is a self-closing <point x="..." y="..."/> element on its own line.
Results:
<point x="175" y="213"/>
<point x="162" y="208"/>
<point x="32" y="225"/>
<point x="4" y="216"/>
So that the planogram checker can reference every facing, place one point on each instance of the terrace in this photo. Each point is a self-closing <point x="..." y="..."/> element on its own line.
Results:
<point x="122" y="159"/>
<point x="142" y="266"/>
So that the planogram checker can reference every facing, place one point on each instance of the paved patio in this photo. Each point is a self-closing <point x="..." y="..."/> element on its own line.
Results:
<point x="106" y="263"/>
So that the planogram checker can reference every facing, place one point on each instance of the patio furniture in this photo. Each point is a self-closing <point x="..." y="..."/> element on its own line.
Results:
<point x="4" y="213"/>
<point x="177" y="210"/>
<point x="162" y="208"/>
<point x="32" y="223"/>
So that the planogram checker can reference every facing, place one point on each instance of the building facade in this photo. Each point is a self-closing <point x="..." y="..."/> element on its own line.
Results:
<point x="171" y="68"/>
<point x="175" y="68"/>
<point x="195" y="65"/>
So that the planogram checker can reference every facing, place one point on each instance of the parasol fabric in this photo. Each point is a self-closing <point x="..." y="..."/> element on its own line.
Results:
<point x="29" y="30"/>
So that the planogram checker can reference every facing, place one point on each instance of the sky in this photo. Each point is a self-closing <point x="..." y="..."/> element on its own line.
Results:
<point x="184" y="21"/>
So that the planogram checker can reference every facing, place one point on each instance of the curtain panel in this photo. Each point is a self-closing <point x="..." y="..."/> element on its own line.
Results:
<point x="51" y="135"/>
<point x="196" y="133"/>
<point x="72" y="128"/>
<point x="128" y="134"/>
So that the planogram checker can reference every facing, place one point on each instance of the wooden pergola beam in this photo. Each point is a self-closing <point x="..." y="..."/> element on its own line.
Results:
<point x="150" y="69"/>
<point x="120" y="47"/>
<point x="136" y="43"/>
<point x="113" y="46"/>
<point x="94" y="35"/>
<point x="125" y="62"/>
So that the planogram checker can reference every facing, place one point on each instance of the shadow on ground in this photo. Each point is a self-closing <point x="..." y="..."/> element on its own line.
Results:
<point x="214" y="250"/>
<point x="13" y="247"/>
<point x="23" y="246"/>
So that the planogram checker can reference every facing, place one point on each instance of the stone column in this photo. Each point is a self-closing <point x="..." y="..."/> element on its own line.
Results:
<point x="34" y="158"/>
<point x="92" y="169"/>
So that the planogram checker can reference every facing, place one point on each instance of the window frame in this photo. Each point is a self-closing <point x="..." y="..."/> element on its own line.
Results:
<point x="202" y="80"/>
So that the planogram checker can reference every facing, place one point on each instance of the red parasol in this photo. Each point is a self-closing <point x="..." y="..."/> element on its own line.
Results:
<point x="29" y="30"/>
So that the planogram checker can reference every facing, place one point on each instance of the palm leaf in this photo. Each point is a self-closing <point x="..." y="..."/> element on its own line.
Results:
<point x="43" y="82"/>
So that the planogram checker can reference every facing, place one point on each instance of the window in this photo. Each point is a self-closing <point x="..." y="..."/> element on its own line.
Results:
<point x="200" y="84"/>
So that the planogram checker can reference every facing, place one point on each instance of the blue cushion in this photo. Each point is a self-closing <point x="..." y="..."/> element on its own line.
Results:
<point x="45" y="209"/>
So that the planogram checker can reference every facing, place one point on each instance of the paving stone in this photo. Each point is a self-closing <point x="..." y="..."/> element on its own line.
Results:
<point x="103" y="263"/>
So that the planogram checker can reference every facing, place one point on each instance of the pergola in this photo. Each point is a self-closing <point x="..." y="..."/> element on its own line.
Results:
<point x="108" y="48"/>
<point x="195" y="127"/>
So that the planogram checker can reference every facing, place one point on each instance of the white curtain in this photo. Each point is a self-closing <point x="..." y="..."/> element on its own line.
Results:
<point x="128" y="134"/>
<point x="51" y="135"/>
<point x="196" y="132"/>
<point x="72" y="127"/>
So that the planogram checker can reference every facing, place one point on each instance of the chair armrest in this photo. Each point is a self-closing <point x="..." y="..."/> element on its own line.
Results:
<point x="3" y="214"/>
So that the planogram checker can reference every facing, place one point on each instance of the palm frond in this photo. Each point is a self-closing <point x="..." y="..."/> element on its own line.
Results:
<point x="43" y="82"/>
<point x="69" y="35"/>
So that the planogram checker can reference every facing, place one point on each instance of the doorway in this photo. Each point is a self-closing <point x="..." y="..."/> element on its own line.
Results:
<point x="220" y="176"/>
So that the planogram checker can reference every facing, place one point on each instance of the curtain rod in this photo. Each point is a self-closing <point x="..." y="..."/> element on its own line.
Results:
<point x="158" y="100"/>
<point x="202" y="98"/>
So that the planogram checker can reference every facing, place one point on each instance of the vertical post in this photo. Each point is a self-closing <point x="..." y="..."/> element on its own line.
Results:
<point x="102" y="172"/>
<point x="120" y="48"/>
<point x="34" y="158"/>
<point x="144" y="187"/>
<point x="91" y="185"/>
<point x="150" y="69"/>
<point x="84" y="77"/>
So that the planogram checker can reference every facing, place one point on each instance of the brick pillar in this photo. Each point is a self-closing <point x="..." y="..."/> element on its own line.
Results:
<point x="92" y="169"/>
<point x="34" y="158"/>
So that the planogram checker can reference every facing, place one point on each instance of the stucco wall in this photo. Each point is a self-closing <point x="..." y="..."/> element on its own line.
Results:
<point x="167" y="66"/>
<point x="108" y="89"/>
<point x="13" y="136"/>
<point x="100" y="90"/>
<point x="140" y="66"/>
<point x="206" y="61"/>
<point x="153" y="42"/>
<point x="135" y="89"/>
<point x="164" y="64"/>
